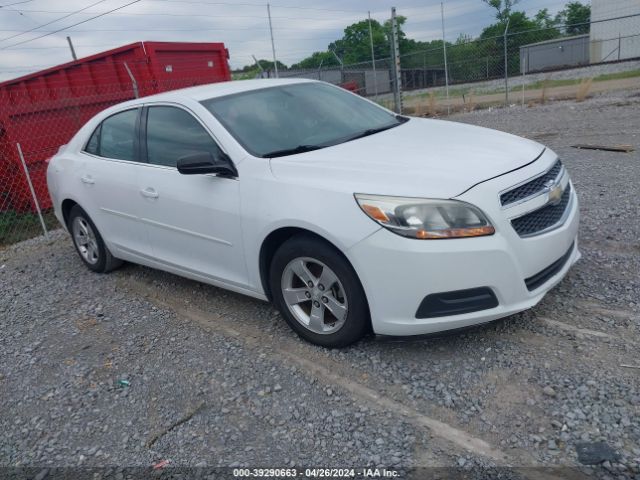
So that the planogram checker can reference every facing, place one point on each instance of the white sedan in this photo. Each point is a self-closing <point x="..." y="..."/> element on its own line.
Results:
<point x="350" y="218"/>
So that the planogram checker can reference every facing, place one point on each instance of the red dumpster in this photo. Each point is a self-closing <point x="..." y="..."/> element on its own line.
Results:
<point x="43" y="110"/>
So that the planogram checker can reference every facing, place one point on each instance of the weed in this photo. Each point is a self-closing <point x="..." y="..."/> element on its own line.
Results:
<point x="583" y="89"/>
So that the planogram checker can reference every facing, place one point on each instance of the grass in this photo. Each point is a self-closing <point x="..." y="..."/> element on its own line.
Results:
<point x="617" y="76"/>
<point x="539" y="85"/>
<point x="17" y="226"/>
<point x="577" y="81"/>
<point x="543" y="93"/>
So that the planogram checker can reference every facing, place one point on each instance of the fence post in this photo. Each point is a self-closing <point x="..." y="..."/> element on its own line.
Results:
<point x="506" y="67"/>
<point x="341" y="65"/>
<point x="73" y="50"/>
<point x="259" y="66"/>
<point x="446" y="68"/>
<point x="395" y="50"/>
<point x="33" y="192"/>
<point x="525" y="67"/>
<point x="320" y="69"/>
<point x="373" y="63"/>
<point x="134" y="84"/>
<point x="619" y="44"/>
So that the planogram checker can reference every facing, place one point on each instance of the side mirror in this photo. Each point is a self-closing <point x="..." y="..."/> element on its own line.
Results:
<point x="203" y="162"/>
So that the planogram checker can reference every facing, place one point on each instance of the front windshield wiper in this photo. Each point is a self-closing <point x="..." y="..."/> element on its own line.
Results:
<point x="293" y="151"/>
<point x="372" y="131"/>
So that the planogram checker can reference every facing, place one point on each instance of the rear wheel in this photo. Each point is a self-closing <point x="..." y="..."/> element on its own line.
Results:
<point x="318" y="293"/>
<point x="89" y="244"/>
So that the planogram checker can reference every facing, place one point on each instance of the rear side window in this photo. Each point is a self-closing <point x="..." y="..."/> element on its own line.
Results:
<point x="93" y="146"/>
<point x="115" y="137"/>
<point x="173" y="133"/>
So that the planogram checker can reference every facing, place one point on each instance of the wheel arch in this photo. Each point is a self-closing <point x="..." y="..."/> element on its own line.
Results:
<point x="65" y="207"/>
<point x="276" y="238"/>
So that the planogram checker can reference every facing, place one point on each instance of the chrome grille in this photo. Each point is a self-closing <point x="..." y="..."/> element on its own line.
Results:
<point x="543" y="218"/>
<point x="530" y="188"/>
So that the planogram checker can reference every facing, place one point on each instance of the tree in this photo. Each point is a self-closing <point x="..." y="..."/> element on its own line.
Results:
<point x="326" y="59"/>
<point x="576" y="17"/>
<point x="544" y="20"/>
<point x="355" y="44"/>
<point x="522" y="31"/>
<point x="266" y="64"/>
<point x="503" y="8"/>
<point x="252" y="70"/>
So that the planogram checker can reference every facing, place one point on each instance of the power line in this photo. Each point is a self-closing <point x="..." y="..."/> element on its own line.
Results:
<point x="257" y="5"/>
<point x="52" y="21"/>
<point x="176" y="29"/>
<point x="16" y="3"/>
<point x="112" y="45"/>
<point x="135" y="14"/>
<point x="74" y="25"/>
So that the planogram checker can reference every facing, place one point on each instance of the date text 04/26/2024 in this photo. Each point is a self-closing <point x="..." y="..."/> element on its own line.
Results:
<point x="315" y="473"/>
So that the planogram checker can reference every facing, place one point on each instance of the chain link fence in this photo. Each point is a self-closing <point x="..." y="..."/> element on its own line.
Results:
<point x="525" y="67"/>
<point x="515" y="67"/>
<point x="529" y="67"/>
<point x="37" y="118"/>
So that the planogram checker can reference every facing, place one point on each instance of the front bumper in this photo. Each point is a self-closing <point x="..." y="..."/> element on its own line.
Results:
<point x="397" y="273"/>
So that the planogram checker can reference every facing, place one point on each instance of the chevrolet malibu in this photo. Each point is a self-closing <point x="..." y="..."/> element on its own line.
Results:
<point x="349" y="218"/>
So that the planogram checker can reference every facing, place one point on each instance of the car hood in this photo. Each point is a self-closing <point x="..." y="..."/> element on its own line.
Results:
<point x="424" y="158"/>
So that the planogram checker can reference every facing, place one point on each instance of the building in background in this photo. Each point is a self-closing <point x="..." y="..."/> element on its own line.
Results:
<point x="553" y="54"/>
<point x="615" y="39"/>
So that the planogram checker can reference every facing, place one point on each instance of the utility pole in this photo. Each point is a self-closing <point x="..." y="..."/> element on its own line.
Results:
<point x="506" y="67"/>
<point x="373" y="61"/>
<point x="73" y="51"/>
<point x="395" y="50"/>
<point x="446" y="68"/>
<point x="273" y="46"/>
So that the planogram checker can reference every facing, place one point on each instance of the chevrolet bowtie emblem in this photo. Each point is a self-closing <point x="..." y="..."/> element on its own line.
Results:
<point x="555" y="192"/>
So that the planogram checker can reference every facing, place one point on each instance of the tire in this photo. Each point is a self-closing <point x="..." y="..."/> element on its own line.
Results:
<point x="309" y="311"/>
<point x="89" y="244"/>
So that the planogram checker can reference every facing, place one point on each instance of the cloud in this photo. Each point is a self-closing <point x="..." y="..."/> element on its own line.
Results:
<point x="302" y="28"/>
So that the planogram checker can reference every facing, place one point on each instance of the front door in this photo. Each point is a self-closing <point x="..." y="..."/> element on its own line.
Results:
<point x="193" y="221"/>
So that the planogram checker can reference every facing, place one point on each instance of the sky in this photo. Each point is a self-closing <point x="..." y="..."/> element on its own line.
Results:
<point x="300" y="27"/>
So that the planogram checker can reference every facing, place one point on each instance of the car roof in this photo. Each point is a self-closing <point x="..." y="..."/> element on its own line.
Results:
<point x="213" y="90"/>
<point x="201" y="92"/>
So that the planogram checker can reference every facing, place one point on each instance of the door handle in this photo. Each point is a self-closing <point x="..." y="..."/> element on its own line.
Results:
<point x="88" y="179"/>
<point x="149" y="193"/>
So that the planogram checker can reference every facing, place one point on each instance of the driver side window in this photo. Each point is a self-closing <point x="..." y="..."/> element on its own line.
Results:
<point x="173" y="133"/>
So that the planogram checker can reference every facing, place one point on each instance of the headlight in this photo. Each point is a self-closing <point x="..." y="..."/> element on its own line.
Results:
<point x="426" y="219"/>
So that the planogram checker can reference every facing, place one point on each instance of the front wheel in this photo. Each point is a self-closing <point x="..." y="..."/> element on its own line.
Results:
<point x="318" y="292"/>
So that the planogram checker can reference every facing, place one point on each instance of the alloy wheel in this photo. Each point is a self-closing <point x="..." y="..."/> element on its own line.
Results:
<point x="85" y="239"/>
<point x="314" y="295"/>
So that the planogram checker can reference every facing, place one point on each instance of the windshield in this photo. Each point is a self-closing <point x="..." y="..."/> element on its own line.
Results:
<point x="289" y="119"/>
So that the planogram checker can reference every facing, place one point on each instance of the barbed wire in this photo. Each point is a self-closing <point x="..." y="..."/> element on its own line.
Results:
<point x="52" y="21"/>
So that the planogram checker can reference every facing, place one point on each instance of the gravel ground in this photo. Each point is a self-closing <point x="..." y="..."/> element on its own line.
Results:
<point x="139" y="366"/>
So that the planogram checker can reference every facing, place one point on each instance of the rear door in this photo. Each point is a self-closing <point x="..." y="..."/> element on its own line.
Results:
<point x="193" y="221"/>
<point x="109" y="186"/>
